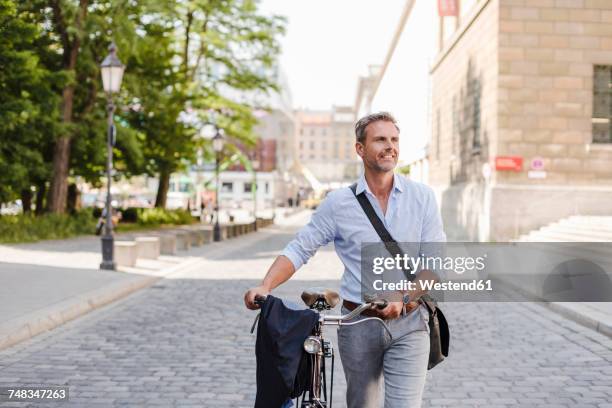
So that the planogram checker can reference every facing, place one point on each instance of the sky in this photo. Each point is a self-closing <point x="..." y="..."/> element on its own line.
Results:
<point x="330" y="43"/>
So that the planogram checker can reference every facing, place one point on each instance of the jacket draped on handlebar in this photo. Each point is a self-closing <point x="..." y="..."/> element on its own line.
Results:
<point x="282" y="364"/>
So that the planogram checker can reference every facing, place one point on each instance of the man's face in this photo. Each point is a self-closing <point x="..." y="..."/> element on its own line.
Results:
<point x="380" y="149"/>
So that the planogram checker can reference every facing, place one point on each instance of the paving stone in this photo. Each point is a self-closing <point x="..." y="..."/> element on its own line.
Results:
<point x="185" y="342"/>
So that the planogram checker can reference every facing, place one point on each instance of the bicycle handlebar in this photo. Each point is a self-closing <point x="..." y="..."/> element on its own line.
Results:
<point x="340" y="320"/>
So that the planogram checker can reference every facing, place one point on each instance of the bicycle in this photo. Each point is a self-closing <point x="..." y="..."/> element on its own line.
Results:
<point x="319" y="348"/>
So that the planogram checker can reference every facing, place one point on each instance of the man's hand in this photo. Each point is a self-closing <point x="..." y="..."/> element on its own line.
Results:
<point x="249" y="296"/>
<point x="392" y="311"/>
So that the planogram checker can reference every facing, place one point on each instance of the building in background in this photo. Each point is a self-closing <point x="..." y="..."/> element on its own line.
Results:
<point x="519" y="111"/>
<point x="326" y="145"/>
<point x="521" y="97"/>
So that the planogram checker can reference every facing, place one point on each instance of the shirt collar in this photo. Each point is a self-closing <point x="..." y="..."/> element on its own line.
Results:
<point x="363" y="185"/>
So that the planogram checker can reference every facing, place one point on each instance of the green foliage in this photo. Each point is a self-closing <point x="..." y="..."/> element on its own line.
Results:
<point x="28" y="104"/>
<point x="186" y="63"/>
<point x="159" y="216"/>
<point x="184" y="60"/>
<point x="27" y="228"/>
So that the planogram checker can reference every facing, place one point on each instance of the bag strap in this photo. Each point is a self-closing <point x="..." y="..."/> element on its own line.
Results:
<point x="390" y="243"/>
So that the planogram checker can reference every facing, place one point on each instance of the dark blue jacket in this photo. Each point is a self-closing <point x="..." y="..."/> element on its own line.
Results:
<point x="282" y="364"/>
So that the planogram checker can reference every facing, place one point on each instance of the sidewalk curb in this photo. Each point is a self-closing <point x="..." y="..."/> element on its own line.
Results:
<point x="25" y="327"/>
<point x="585" y="317"/>
<point x="580" y="318"/>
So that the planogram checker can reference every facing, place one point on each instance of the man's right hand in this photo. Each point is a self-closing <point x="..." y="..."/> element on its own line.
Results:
<point x="249" y="296"/>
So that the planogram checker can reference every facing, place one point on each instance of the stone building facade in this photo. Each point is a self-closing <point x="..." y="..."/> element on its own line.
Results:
<point x="523" y="83"/>
<point x="325" y="144"/>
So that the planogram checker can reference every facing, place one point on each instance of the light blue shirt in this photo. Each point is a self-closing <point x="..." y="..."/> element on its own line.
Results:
<point x="412" y="216"/>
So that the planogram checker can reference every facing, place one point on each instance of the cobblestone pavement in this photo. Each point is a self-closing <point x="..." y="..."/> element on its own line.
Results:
<point x="186" y="342"/>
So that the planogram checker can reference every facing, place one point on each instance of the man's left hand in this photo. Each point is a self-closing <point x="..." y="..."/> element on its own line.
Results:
<point x="392" y="311"/>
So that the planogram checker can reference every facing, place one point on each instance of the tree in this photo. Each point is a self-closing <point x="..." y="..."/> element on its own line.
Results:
<point x="27" y="106"/>
<point x="215" y="57"/>
<point x="68" y="21"/>
<point x="74" y="37"/>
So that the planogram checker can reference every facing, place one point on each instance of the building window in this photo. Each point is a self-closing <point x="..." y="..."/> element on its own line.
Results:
<point x="323" y="145"/>
<point x="602" y="104"/>
<point x="227" y="187"/>
<point x="323" y="132"/>
<point x="301" y="145"/>
<point x="267" y="187"/>
<point x="312" y="145"/>
<point x="312" y="132"/>
<point x="248" y="187"/>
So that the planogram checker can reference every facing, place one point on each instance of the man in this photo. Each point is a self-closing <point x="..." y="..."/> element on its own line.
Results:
<point x="409" y="212"/>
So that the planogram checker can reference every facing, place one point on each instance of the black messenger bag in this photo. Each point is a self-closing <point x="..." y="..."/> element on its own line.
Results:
<point x="439" y="334"/>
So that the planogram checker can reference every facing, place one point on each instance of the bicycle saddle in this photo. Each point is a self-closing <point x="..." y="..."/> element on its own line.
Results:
<point x="311" y="295"/>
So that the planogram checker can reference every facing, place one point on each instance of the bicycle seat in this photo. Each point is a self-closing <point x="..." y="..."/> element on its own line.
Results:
<point x="311" y="295"/>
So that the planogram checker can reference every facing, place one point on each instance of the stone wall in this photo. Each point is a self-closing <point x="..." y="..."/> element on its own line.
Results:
<point x="532" y="62"/>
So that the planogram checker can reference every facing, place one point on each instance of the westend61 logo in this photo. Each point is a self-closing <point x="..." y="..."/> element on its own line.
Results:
<point x="458" y="265"/>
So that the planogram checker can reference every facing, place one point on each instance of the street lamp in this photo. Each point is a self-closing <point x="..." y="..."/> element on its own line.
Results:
<point x="217" y="142"/>
<point x="112" y="74"/>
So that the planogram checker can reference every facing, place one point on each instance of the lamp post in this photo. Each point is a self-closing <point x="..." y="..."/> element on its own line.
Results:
<point x="217" y="142"/>
<point x="112" y="74"/>
<point x="255" y="164"/>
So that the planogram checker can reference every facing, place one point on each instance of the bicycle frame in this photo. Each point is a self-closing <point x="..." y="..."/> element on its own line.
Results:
<point x="318" y="383"/>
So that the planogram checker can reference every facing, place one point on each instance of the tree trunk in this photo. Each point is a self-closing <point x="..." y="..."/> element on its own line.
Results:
<point x="59" y="182"/>
<point x="26" y="200"/>
<point x="61" y="153"/>
<point x="41" y="191"/>
<point x="162" y="190"/>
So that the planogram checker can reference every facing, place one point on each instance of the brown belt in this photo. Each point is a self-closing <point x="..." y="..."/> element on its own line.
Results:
<point x="376" y="312"/>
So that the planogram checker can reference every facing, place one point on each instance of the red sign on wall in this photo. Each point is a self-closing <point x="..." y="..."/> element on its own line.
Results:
<point x="509" y="163"/>
<point x="448" y="8"/>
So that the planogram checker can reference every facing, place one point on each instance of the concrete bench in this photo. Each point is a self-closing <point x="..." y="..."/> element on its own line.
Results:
<point x="195" y="238"/>
<point x="148" y="247"/>
<point x="229" y="231"/>
<point x="206" y="233"/>
<point x="126" y="253"/>
<point x="183" y="240"/>
<point x="167" y="244"/>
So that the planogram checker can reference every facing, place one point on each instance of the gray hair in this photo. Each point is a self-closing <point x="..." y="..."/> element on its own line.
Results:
<point x="362" y="124"/>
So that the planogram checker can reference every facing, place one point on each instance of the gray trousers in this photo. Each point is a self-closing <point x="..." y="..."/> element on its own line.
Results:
<point x="369" y="356"/>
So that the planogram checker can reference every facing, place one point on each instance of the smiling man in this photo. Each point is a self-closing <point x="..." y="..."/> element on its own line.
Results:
<point x="409" y="212"/>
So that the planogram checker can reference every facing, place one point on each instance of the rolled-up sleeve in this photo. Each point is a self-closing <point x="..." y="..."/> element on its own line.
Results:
<point x="318" y="232"/>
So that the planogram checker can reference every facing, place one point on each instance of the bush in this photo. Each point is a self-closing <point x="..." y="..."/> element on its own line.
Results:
<point x="158" y="216"/>
<point x="29" y="228"/>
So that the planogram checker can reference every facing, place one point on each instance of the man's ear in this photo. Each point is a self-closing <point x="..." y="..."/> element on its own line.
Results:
<point x="360" y="149"/>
